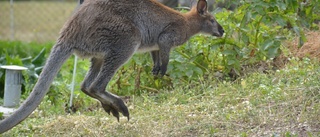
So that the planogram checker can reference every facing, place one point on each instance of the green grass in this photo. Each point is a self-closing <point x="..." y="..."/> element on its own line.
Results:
<point x="285" y="102"/>
<point x="34" y="20"/>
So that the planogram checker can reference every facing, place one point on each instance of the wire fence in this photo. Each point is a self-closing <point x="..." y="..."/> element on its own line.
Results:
<point x="41" y="20"/>
<point x="38" y="21"/>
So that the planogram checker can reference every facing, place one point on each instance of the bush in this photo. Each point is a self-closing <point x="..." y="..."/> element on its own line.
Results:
<point x="30" y="55"/>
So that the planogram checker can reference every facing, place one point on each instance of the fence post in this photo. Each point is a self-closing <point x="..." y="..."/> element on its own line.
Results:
<point x="11" y="20"/>
<point x="73" y="76"/>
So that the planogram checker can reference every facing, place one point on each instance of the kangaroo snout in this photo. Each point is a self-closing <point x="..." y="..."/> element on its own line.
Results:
<point x="221" y="31"/>
<point x="217" y="30"/>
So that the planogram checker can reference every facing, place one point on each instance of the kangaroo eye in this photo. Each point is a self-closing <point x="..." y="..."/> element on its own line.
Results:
<point x="212" y="20"/>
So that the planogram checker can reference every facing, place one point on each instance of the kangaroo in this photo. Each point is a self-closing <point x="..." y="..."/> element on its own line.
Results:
<point x="109" y="32"/>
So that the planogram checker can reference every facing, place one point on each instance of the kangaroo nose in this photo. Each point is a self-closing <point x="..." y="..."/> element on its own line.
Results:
<point x="221" y="31"/>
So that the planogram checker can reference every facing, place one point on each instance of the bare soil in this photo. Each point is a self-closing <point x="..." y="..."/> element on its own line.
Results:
<point x="311" y="47"/>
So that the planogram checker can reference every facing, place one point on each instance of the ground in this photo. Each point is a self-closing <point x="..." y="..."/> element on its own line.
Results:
<point x="283" y="102"/>
<point x="312" y="46"/>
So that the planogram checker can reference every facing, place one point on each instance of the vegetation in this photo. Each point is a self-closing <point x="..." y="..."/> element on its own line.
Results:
<point x="213" y="86"/>
<point x="282" y="103"/>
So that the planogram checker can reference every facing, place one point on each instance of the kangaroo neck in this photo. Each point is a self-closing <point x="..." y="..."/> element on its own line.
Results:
<point x="193" y="25"/>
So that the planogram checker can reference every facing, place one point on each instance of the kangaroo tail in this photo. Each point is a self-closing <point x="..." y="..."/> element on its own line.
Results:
<point x="59" y="54"/>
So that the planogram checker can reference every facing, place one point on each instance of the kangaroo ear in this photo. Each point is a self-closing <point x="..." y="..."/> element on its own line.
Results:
<point x="202" y="7"/>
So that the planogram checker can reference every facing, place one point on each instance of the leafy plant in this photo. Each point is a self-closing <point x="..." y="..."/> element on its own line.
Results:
<point x="254" y="33"/>
<point x="30" y="55"/>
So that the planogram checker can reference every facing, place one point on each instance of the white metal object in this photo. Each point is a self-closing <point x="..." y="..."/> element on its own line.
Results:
<point x="12" y="88"/>
<point x="73" y="80"/>
<point x="74" y="72"/>
<point x="6" y="111"/>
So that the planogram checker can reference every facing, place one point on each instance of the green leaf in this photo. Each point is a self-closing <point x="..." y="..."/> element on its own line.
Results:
<point x="1" y="73"/>
<point x="267" y="44"/>
<point x="189" y="73"/>
<point x="180" y="59"/>
<point x="231" y="62"/>
<point x="281" y="5"/>
<point x="198" y="71"/>
<point x="280" y="20"/>
<point x="273" y="52"/>
<point x="214" y="47"/>
<point x="40" y="58"/>
<point x="229" y="52"/>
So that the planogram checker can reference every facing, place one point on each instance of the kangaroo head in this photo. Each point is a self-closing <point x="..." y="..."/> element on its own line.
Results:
<point x="207" y="22"/>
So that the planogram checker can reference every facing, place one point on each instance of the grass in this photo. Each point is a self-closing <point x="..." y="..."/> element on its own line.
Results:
<point x="34" y="20"/>
<point x="285" y="102"/>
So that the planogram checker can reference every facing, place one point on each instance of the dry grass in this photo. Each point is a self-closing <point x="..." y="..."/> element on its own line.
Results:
<point x="311" y="48"/>
<point x="286" y="102"/>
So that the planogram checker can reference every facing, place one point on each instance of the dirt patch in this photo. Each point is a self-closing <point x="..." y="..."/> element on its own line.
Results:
<point x="311" y="47"/>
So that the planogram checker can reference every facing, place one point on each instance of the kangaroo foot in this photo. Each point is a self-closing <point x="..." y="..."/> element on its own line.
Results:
<point x="116" y="107"/>
<point x="155" y="70"/>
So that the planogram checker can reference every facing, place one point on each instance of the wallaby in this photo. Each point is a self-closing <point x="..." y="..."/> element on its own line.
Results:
<point x="109" y="32"/>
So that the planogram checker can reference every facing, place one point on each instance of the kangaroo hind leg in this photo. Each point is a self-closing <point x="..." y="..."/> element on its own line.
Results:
<point x="91" y="76"/>
<point x="96" y="65"/>
<point x="99" y="75"/>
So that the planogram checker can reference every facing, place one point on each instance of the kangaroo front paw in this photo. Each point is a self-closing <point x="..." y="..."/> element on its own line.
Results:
<point x="163" y="70"/>
<point x="116" y="107"/>
<point x="155" y="70"/>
